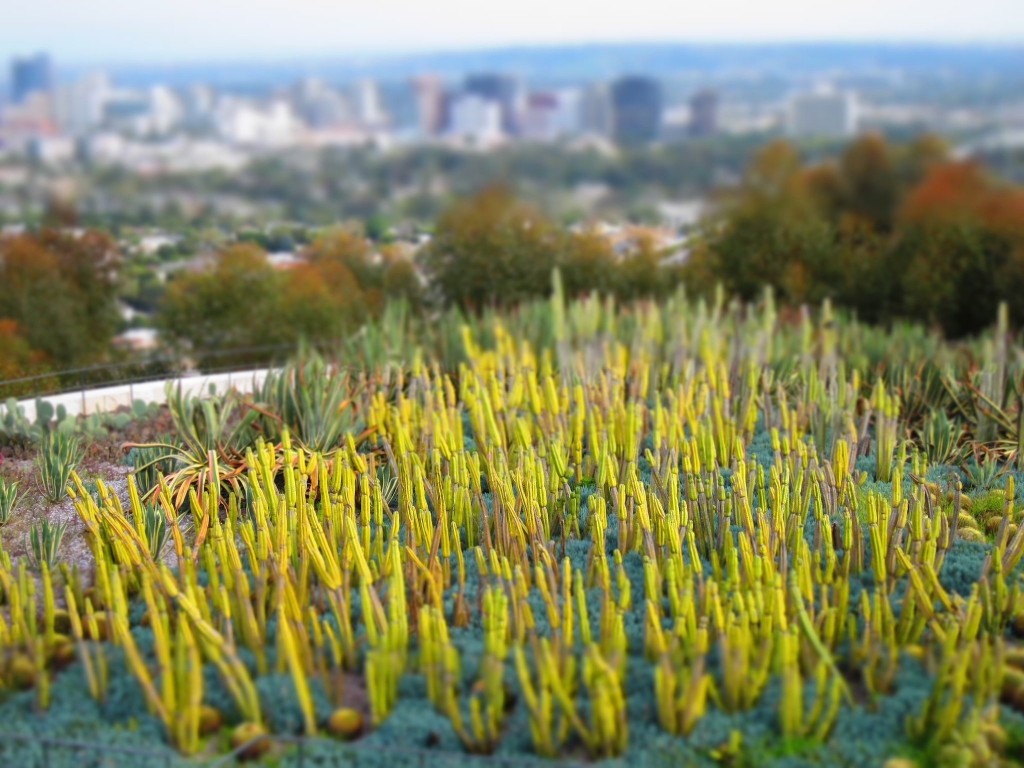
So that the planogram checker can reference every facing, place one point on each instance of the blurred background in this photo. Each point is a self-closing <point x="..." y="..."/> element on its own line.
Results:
<point x="208" y="183"/>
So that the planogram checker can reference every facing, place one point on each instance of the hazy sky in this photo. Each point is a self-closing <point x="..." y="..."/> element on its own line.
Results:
<point x="160" y="30"/>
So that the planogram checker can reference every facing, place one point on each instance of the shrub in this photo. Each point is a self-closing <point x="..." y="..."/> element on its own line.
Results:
<point x="60" y="454"/>
<point x="45" y="540"/>
<point x="8" y="500"/>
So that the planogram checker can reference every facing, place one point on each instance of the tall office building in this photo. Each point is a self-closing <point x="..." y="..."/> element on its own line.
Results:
<point x="80" y="105"/>
<point x="505" y="91"/>
<point x="198" y="102"/>
<point x="320" y="105"/>
<point x="636" y="110"/>
<point x="551" y="115"/>
<point x="475" y="119"/>
<point x="596" y="110"/>
<point x="704" y="114"/>
<point x="398" y="99"/>
<point x="30" y="75"/>
<point x="431" y="105"/>
<point x="369" y="107"/>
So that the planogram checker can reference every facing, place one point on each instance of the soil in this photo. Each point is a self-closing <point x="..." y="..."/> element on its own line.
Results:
<point x="104" y="461"/>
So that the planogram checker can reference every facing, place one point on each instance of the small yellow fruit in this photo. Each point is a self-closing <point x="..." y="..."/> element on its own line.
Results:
<point x="993" y="523"/>
<point x="210" y="720"/>
<point x="966" y="520"/>
<point x="345" y="723"/>
<point x="914" y="651"/>
<point x="251" y="739"/>
<point x="1015" y="657"/>
<point x="61" y="621"/>
<point x="970" y="534"/>
<point x="22" y="672"/>
<point x="899" y="762"/>
<point x="1012" y="691"/>
<point x="61" y="651"/>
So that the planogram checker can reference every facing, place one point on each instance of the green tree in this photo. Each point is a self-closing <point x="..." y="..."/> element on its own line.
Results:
<point x="589" y="265"/>
<point x="773" y="232"/>
<point x="229" y="313"/>
<point x="871" y="181"/>
<point x="492" y="249"/>
<point x="60" y="290"/>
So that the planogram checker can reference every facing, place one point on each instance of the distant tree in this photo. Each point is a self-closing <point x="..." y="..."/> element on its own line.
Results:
<point x="60" y="290"/>
<point x="378" y="228"/>
<point x="401" y="278"/>
<point x="961" y="239"/>
<point x="492" y="249"/>
<point x="229" y="313"/>
<point x="60" y="211"/>
<point x="640" y="273"/>
<point x="347" y="247"/>
<point x="321" y="302"/>
<point x="871" y="185"/>
<point x="950" y="276"/>
<point x="920" y="156"/>
<point x="589" y="265"/>
<point x="17" y="358"/>
<point x="774" y="233"/>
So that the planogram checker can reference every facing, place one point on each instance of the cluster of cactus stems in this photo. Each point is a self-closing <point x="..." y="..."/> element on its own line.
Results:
<point x="308" y="569"/>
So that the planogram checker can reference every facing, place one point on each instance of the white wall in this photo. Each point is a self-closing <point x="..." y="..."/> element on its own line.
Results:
<point x="106" y="399"/>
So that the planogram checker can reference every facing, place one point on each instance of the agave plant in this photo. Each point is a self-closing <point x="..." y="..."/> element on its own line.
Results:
<point x="312" y="400"/>
<point x="212" y="435"/>
<point x="940" y="438"/>
<point x="61" y="452"/>
<point x="983" y="472"/>
<point x="8" y="500"/>
<point x="157" y="533"/>
<point x="45" y="540"/>
<point x="148" y="464"/>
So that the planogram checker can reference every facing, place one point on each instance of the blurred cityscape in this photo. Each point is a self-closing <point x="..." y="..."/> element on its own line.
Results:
<point x="191" y="119"/>
<point x="631" y="143"/>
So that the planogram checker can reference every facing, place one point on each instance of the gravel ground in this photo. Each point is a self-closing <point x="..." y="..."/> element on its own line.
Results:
<point x="33" y="508"/>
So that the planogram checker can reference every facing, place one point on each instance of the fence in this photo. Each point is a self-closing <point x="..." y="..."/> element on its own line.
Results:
<point x="52" y="383"/>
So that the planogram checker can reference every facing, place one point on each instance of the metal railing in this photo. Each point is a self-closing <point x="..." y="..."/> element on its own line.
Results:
<point x="96" y="376"/>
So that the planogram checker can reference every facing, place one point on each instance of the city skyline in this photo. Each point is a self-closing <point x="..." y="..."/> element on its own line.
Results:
<point x="191" y="31"/>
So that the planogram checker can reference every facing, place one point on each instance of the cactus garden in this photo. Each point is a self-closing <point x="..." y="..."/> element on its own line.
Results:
<point x="675" y="533"/>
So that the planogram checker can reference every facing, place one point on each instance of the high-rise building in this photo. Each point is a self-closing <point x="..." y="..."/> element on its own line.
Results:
<point x="551" y="115"/>
<point x="165" y="110"/>
<point x="369" y="108"/>
<point x="80" y="105"/>
<point x="596" y="110"/>
<point x="636" y="110"/>
<point x="504" y="90"/>
<point x="823" y="114"/>
<point x="475" y="119"/>
<point x="320" y="105"/>
<point x="399" y="101"/>
<point x="704" y="113"/>
<point x="29" y="75"/>
<point x="431" y="105"/>
<point x="197" y="102"/>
